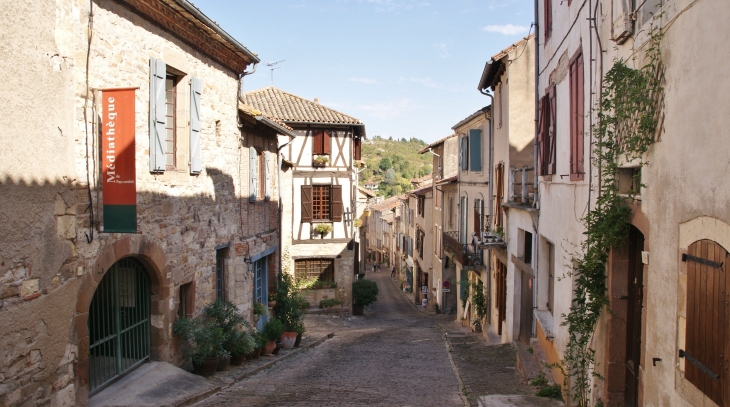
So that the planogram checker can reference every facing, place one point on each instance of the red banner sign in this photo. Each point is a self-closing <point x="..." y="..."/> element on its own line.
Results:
<point x="118" y="161"/>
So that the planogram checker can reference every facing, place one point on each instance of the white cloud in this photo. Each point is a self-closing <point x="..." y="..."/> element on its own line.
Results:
<point x="442" y="51"/>
<point x="390" y="110"/>
<point x="367" y="81"/>
<point x="507" y="29"/>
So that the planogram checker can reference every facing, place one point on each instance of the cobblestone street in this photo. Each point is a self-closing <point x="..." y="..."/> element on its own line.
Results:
<point x="394" y="356"/>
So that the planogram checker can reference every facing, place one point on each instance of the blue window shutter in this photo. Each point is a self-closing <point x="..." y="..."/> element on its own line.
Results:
<point x="196" y="162"/>
<point x="461" y="154"/>
<point x="475" y="152"/>
<point x="253" y="172"/>
<point x="267" y="189"/>
<point x="158" y="160"/>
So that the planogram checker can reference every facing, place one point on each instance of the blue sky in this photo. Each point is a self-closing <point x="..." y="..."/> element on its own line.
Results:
<point x="406" y="68"/>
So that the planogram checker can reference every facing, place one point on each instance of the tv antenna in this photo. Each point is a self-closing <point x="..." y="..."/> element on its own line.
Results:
<point x="272" y="66"/>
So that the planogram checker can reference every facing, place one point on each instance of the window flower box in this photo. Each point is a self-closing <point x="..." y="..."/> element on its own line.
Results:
<point x="320" y="161"/>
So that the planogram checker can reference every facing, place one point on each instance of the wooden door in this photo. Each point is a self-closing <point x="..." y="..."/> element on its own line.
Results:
<point x="501" y="295"/>
<point x="633" y="317"/>
<point x="706" y="342"/>
<point x="525" y="307"/>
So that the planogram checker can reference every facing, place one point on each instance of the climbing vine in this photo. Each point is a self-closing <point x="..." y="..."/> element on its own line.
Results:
<point x="628" y="116"/>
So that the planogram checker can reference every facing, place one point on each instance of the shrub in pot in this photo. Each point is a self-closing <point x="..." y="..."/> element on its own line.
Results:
<point x="299" y="329"/>
<point x="364" y="293"/>
<point x="204" y="340"/>
<point x="241" y="344"/>
<point x="272" y="331"/>
<point x="289" y="304"/>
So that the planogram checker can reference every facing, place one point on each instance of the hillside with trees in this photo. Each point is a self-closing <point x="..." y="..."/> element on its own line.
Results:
<point x="392" y="163"/>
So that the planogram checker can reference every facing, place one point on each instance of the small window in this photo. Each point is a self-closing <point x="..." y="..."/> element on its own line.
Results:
<point x="186" y="301"/>
<point x="171" y="82"/>
<point x="321" y="202"/>
<point x="321" y="269"/>
<point x="527" y="258"/>
<point x="629" y="180"/>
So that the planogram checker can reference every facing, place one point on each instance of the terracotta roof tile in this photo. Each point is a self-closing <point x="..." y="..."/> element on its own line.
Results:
<point x="293" y="109"/>
<point x="388" y="204"/>
<point x="249" y="110"/>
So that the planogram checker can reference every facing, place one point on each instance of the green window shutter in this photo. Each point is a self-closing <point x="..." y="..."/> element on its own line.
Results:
<point x="267" y="185"/>
<point x="158" y="160"/>
<point x="475" y="153"/>
<point x="336" y="203"/>
<point x="252" y="174"/>
<point x="196" y="89"/>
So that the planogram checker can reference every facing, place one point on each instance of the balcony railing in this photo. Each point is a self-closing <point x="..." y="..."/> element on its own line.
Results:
<point x="465" y="254"/>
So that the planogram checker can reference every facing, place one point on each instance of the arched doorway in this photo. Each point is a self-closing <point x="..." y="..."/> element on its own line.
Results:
<point x="119" y="323"/>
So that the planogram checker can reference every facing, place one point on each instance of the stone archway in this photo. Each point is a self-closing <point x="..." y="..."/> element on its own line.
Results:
<point x="153" y="259"/>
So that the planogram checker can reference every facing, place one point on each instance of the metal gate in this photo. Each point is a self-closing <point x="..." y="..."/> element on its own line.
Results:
<point x="119" y="323"/>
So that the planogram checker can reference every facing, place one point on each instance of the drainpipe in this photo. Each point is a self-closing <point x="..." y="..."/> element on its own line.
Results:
<point x="490" y="201"/>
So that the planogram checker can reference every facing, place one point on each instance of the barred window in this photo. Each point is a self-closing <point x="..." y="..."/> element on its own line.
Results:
<point x="322" y="269"/>
<point x="321" y="202"/>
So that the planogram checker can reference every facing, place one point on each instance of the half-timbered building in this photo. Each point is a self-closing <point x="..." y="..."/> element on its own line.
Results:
<point x="320" y="238"/>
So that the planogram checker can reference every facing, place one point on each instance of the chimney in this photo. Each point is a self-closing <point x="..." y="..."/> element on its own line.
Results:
<point x="316" y="100"/>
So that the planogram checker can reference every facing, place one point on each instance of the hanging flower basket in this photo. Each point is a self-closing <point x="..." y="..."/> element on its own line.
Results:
<point x="320" y="161"/>
<point x="323" y="228"/>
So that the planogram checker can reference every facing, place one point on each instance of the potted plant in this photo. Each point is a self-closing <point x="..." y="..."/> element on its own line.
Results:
<point x="499" y="232"/>
<point x="203" y="342"/>
<point x="299" y="329"/>
<point x="224" y="315"/>
<point x="479" y="302"/>
<point x="320" y="160"/>
<point x="241" y="344"/>
<point x="272" y="299"/>
<point x="358" y="222"/>
<point x="272" y="331"/>
<point x="259" y="309"/>
<point x="288" y="308"/>
<point x="364" y="293"/>
<point x="323" y="228"/>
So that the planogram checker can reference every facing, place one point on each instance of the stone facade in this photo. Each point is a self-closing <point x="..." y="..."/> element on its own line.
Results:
<point x="54" y="252"/>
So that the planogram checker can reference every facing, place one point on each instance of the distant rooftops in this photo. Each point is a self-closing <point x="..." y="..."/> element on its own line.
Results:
<point x="434" y="144"/>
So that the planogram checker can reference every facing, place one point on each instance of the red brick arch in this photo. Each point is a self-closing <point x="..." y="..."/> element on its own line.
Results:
<point x="151" y="255"/>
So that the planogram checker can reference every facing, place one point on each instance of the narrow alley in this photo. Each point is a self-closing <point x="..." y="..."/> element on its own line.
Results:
<point x="394" y="355"/>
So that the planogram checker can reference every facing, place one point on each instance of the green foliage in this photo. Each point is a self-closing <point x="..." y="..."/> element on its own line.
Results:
<point x="289" y="302"/>
<point x="203" y="337"/>
<point x="384" y="164"/>
<point x="364" y="292"/>
<point x="273" y="329"/>
<point x="402" y="157"/>
<point x="259" y="308"/>
<point x="242" y="343"/>
<point x="330" y="303"/>
<point x="552" y="392"/>
<point x="627" y="122"/>
<point x="389" y="177"/>
<point x="539" y="381"/>
<point x="474" y="293"/>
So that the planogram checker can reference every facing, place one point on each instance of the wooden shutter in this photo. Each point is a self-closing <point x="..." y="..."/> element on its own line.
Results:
<point x="475" y="152"/>
<point x="707" y="312"/>
<point x="253" y="170"/>
<point x="462" y="154"/>
<point x="548" y="10"/>
<point x="336" y="199"/>
<point x="267" y="174"/>
<point x="357" y="148"/>
<point x="196" y="162"/>
<point x="158" y="159"/>
<point x="552" y="131"/>
<point x="541" y="137"/>
<point x="476" y="217"/>
<point x="576" y="117"/>
<point x="317" y="141"/>
<point x="326" y="142"/>
<point x="306" y="203"/>
<point x="579" y="117"/>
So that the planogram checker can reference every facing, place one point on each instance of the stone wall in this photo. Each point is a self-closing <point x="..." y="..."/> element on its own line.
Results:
<point x="53" y="253"/>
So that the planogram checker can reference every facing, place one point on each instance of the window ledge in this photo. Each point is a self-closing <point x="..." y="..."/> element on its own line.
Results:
<point x="545" y="319"/>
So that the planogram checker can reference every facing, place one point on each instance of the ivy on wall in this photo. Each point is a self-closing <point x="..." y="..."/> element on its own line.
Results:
<point x="627" y="120"/>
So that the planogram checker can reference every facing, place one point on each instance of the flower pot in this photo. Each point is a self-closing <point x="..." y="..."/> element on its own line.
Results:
<point x="477" y="328"/>
<point x="272" y="304"/>
<point x="298" y="341"/>
<point x="237" y="360"/>
<point x="277" y="348"/>
<point x="268" y="348"/>
<point x="207" y="367"/>
<point x="358" y="309"/>
<point x="288" y="339"/>
<point x="223" y="362"/>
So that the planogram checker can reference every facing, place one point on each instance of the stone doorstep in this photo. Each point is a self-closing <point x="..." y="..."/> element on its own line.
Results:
<point x="526" y="363"/>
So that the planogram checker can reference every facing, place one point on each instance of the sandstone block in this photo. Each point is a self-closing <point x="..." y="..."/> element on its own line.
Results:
<point x="66" y="227"/>
<point x="29" y="287"/>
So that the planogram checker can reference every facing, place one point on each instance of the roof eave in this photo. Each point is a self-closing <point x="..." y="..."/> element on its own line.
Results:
<point x="275" y="126"/>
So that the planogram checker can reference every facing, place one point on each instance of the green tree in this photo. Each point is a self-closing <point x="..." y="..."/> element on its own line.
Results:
<point x="385" y="164"/>
<point x="389" y="176"/>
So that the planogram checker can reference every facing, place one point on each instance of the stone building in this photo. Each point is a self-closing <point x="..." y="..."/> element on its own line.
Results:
<point x="318" y="226"/>
<point x="445" y="164"/>
<point x="131" y="197"/>
<point x="510" y="76"/>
